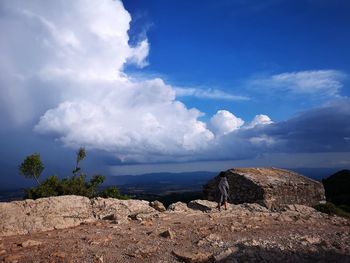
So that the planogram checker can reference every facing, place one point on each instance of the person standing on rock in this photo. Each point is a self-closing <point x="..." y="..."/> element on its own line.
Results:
<point x="224" y="190"/>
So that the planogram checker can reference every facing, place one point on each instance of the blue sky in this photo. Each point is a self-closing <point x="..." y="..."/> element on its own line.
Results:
<point x="151" y="86"/>
<point x="224" y="44"/>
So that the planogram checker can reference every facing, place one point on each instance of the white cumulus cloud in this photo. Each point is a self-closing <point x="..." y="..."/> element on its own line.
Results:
<point x="140" y="121"/>
<point x="62" y="69"/>
<point x="52" y="45"/>
<point x="69" y="72"/>
<point x="224" y="122"/>
<point x="260" y="119"/>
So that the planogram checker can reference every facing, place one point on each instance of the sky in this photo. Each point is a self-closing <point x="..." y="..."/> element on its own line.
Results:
<point x="153" y="86"/>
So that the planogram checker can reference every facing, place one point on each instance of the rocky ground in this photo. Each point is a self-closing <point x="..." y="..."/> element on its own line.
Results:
<point x="198" y="233"/>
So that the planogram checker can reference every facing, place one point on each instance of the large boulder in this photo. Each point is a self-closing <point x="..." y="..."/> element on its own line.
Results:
<point x="202" y="205"/>
<point x="271" y="187"/>
<point x="337" y="188"/>
<point x="28" y="216"/>
<point x="111" y="208"/>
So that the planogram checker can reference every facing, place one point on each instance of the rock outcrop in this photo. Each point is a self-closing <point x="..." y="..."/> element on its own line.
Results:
<point x="337" y="188"/>
<point x="158" y="206"/>
<point x="257" y="188"/>
<point x="30" y="216"/>
<point x="197" y="232"/>
<point x="271" y="187"/>
<point x="115" y="209"/>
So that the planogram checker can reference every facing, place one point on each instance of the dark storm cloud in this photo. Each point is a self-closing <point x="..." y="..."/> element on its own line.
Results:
<point x="324" y="129"/>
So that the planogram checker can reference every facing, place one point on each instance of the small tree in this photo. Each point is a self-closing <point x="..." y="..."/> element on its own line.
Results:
<point x="81" y="154"/>
<point x="32" y="167"/>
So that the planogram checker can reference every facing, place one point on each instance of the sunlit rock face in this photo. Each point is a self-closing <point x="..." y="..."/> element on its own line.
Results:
<point x="60" y="212"/>
<point x="271" y="187"/>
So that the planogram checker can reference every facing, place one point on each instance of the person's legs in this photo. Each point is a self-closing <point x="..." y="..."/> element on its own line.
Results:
<point x="220" y="202"/>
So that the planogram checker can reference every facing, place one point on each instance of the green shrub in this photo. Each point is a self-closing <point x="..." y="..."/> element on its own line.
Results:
<point x="77" y="184"/>
<point x="113" y="192"/>
<point x="74" y="185"/>
<point x="332" y="209"/>
<point x="50" y="187"/>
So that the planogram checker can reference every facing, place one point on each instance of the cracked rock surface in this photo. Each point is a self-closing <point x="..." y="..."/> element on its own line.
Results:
<point x="194" y="233"/>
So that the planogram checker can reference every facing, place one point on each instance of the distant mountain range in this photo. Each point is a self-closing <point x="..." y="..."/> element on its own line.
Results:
<point x="157" y="184"/>
<point x="186" y="178"/>
<point x="315" y="173"/>
<point x="198" y="178"/>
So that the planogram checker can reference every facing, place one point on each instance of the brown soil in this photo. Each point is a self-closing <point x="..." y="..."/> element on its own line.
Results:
<point x="193" y="236"/>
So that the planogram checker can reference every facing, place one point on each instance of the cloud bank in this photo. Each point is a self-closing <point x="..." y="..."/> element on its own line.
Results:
<point x="62" y="65"/>
<point x="70" y="73"/>
<point x="53" y="50"/>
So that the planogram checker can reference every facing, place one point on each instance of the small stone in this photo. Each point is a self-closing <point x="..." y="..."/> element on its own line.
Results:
<point x="213" y="237"/>
<point x="167" y="234"/>
<point x="284" y="218"/>
<point x="178" y="207"/>
<point x="224" y="254"/>
<point x="192" y="257"/>
<point x="98" y="259"/>
<point x="14" y="258"/>
<point x="93" y="242"/>
<point x="202" y="242"/>
<point x="147" y="223"/>
<point x="203" y="229"/>
<point x="2" y="252"/>
<point x="158" y="206"/>
<point x="336" y="244"/>
<point x="59" y="254"/>
<point x="313" y="240"/>
<point x="254" y="243"/>
<point x="100" y="240"/>
<point x="108" y="238"/>
<point x="31" y="243"/>
<point x="146" y="251"/>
